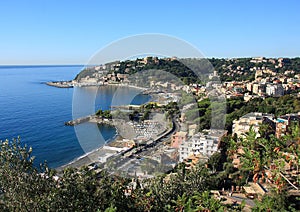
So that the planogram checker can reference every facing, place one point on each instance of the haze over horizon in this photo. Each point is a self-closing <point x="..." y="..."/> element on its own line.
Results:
<point x="70" y="32"/>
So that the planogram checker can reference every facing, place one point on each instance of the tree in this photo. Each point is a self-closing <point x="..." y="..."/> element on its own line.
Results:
<point x="273" y="202"/>
<point x="215" y="162"/>
<point x="22" y="185"/>
<point x="205" y="202"/>
<point x="104" y="114"/>
<point x="271" y="155"/>
<point x="25" y="187"/>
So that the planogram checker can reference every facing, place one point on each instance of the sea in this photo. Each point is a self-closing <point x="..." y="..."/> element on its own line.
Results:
<point x="36" y="112"/>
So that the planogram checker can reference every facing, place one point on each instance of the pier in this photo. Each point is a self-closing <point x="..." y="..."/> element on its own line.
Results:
<point x="61" y="84"/>
<point x="79" y="120"/>
<point x="90" y="118"/>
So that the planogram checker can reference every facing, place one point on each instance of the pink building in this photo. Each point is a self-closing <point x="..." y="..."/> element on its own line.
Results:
<point x="178" y="138"/>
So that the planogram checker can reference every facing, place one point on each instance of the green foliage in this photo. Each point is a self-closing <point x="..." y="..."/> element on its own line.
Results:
<point x="24" y="188"/>
<point x="192" y="70"/>
<point x="198" y="202"/>
<point x="215" y="162"/>
<point x="259" y="154"/>
<point x="273" y="202"/>
<point x="88" y="71"/>
<point x="171" y="109"/>
<point x="236" y="108"/>
<point x="104" y="114"/>
<point x="256" y="158"/>
<point x="223" y="66"/>
<point x="173" y="67"/>
<point x="186" y="99"/>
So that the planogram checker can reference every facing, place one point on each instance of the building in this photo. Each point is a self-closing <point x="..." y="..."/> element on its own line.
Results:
<point x="284" y="122"/>
<point x="178" y="138"/>
<point x="249" y="86"/>
<point x="258" y="73"/>
<point x="193" y="160"/>
<point x="186" y="149"/>
<point x="242" y="126"/>
<point x="281" y="127"/>
<point x="258" y="88"/>
<point x="258" y="60"/>
<point x="192" y="129"/>
<point x="275" y="90"/>
<point x="205" y="144"/>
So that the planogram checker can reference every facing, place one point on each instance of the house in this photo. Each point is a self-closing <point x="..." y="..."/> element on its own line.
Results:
<point x="282" y="123"/>
<point x="178" y="138"/>
<point x="242" y="126"/>
<point x="205" y="144"/>
<point x="192" y="129"/>
<point x="192" y="160"/>
<point x="258" y="88"/>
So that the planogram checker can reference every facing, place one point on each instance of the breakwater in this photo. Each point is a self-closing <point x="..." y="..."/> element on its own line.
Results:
<point x="90" y="118"/>
<point x="61" y="84"/>
<point x="78" y="121"/>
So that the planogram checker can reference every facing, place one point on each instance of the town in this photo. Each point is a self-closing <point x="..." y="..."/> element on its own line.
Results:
<point x="161" y="142"/>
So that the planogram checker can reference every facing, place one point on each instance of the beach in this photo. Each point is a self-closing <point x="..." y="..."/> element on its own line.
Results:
<point x="124" y="131"/>
<point x="109" y="149"/>
<point x="88" y="158"/>
<point x="124" y="140"/>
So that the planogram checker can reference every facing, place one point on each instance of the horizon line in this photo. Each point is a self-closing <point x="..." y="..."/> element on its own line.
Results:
<point x="81" y="64"/>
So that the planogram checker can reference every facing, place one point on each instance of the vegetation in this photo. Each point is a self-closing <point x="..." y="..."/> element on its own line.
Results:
<point x="223" y="66"/>
<point x="266" y="159"/>
<point x="173" y="67"/>
<point x="191" y="70"/>
<point x="25" y="187"/>
<point x="104" y="114"/>
<point x="236" y="108"/>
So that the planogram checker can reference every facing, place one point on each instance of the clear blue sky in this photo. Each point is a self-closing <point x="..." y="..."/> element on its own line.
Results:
<point x="69" y="32"/>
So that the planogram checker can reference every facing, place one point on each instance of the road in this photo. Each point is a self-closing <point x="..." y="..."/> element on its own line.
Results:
<point x="146" y="149"/>
<point x="239" y="199"/>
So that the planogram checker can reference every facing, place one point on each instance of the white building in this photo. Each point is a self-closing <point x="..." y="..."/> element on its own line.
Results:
<point x="206" y="144"/>
<point x="274" y="90"/>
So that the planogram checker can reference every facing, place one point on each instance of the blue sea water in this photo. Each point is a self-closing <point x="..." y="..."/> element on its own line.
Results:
<point x="37" y="112"/>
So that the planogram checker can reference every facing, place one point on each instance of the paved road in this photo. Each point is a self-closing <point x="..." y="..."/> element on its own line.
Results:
<point x="239" y="199"/>
<point x="148" y="148"/>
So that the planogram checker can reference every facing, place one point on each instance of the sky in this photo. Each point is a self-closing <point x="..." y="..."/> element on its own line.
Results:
<point x="71" y="31"/>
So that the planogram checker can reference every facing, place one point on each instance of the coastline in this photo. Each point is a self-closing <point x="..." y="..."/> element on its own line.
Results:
<point x="87" y="158"/>
<point x="121" y="142"/>
<point x="71" y="84"/>
<point x="110" y="148"/>
<point x="123" y="131"/>
<point x="127" y="85"/>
